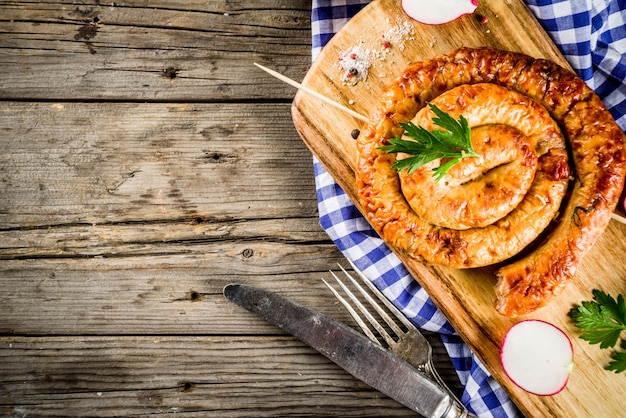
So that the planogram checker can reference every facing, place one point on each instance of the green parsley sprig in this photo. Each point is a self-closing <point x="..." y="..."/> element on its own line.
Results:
<point x="454" y="143"/>
<point x="602" y="321"/>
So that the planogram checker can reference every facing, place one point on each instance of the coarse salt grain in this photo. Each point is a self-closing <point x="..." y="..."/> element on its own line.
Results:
<point x="399" y="32"/>
<point x="354" y="65"/>
<point x="355" y="62"/>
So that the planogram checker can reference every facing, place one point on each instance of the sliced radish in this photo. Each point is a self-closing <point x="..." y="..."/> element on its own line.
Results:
<point x="436" y="12"/>
<point x="537" y="356"/>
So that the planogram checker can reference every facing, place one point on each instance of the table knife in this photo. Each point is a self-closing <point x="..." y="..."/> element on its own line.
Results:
<point x="349" y="349"/>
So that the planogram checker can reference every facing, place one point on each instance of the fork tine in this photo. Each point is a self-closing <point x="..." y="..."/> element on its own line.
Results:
<point x="383" y="333"/>
<point x="392" y="324"/>
<point x="383" y="299"/>
<point x="412" y="345"/>
<point x="353" y="313"/>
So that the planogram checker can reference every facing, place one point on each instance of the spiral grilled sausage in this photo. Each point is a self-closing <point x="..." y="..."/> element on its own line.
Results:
<point x="491" y="209"/>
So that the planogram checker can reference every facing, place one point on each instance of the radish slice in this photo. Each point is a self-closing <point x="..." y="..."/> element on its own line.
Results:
<point x="436" y="12"/>
<point x="537" y="356"/>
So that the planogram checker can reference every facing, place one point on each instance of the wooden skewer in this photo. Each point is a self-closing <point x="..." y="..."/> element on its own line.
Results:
<point x="350" y="111"/>
<point x="312" y="93"/>
<point x="618" y="218"/>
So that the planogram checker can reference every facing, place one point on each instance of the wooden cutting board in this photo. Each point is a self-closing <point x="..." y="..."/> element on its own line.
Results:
<point x="466" y="297"/>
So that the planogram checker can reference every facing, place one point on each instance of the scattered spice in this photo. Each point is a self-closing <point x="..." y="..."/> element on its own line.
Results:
<point x="354" y="65"/>
<point x="482" y="19"/>
<point x="355" y="133"/>
<point x="355" y="62"/>
<point x="396" y="35"/>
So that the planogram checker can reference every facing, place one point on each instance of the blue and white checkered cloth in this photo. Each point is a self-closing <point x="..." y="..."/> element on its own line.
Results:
<point x="592" y="36"/>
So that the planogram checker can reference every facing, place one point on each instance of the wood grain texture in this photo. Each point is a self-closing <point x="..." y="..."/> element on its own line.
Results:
<point x="145" y="164"/>
<point x="152" y="51"/>
<point x="178" y="376"/>
<point x="89" y="163"/>
<point x="466" y="296"/>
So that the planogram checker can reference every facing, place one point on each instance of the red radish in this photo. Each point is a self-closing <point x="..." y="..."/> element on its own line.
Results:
<point x="537" y="356"/>
<point x="436" y="12"/>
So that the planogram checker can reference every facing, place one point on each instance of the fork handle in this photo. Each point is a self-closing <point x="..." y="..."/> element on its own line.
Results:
<point x="457" y="410"/>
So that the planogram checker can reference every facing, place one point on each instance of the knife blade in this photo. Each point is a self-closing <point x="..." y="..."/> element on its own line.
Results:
<point x="349" y="349"/>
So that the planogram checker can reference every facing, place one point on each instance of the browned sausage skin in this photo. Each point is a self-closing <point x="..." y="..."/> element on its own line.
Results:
<point x="526" y="100"/>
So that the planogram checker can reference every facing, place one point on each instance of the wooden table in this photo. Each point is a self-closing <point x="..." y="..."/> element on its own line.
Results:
<point x="145" y="164"/>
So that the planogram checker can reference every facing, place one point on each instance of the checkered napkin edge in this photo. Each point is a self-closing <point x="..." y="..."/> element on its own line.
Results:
<point x="592" y="36"/>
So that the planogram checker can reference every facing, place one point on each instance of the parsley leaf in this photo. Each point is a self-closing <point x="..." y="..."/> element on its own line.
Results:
<point x="618" y="364"/>
<point x="454" y="143"/>
<point x="602" y="321"/>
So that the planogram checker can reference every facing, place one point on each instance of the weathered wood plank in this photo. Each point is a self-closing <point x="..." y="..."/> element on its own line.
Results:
<point x="99" y="163"/>
<point x="161" y="298"/>
<point x="178" y="376"/>
<point x="142" y="51"/>
<point x="121" y="221"/>
<point x="140" y="238"/>
<point x="172" y="293"/>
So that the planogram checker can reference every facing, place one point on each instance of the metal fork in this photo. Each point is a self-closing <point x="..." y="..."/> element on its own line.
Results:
<point x="409" y="345"/>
